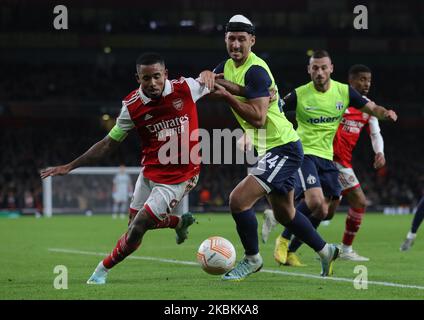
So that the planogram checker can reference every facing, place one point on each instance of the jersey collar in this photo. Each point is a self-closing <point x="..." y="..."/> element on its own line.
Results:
<point x="166" y="91"/>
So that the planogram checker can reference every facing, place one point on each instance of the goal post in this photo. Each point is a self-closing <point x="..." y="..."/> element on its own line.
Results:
<point x="86" y="189"/>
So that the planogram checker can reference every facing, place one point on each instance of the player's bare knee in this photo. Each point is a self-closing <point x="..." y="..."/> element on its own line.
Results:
<point x="136" y="229"/>
<point x="362" y="202"/>
<point x="320" y="214"/>
<point x="139" y="226"/>
<point x="318" y="207"/>
<point x="359" y="201"/>
<point x="330" y="214"/>
<point x="236" y="204"/>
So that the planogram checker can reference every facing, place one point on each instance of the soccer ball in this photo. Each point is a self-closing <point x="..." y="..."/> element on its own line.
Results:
<point x="216" y="255"/>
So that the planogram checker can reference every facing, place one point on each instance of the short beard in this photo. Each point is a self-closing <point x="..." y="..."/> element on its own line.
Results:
<point x="151" y="96"/>
<point x="321" y="85"/>
<point x="155" y="96"/>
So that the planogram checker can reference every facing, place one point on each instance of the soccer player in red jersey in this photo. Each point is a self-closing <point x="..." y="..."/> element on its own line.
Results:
<point x="160" y="110"/>
<point x="344" y="142"/>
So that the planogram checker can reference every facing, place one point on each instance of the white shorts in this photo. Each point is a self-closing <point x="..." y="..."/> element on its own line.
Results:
<point x="120" y="196"/>
<point x="347" y="178"/>
<point x="160" y="199"/>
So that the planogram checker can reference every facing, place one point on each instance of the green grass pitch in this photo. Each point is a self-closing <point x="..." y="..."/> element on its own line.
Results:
<point x="161" y="270"/>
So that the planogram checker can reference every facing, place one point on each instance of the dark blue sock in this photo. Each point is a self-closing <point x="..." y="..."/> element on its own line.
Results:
<point x="286" y="234"/>
<point x="303" y="229"/>
<point x="247" y="228"/>
<point x="296" y="243"/>
<point x="315" y="221"/>
<point x="302" y="207"/>
<point x="419" y="216"/>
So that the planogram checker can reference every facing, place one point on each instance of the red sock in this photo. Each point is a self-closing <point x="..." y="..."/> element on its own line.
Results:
<point x="353" y="222"/>
<point x="121" y="251"/>
<point x="170" y="221"/>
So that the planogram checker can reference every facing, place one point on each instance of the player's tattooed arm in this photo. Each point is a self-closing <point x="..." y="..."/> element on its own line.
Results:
<point x="378" y="111"/>
<point x="95" y="153"/>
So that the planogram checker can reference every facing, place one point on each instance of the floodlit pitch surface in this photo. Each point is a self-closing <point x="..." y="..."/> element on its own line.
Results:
<point x="31" y="249"/>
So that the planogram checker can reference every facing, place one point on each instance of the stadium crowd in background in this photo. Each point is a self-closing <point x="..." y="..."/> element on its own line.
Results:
<point x="80" y="68"/>
<point x="387" y="186"/>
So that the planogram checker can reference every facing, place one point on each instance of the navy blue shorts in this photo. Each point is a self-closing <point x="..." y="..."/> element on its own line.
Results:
<point x="276" y="170"/>
<point x="317" y="172"/>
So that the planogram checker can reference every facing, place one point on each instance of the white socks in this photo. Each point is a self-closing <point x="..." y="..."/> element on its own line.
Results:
<point x="346" y="249"/>
<point x="411" y="235"/>
<point x="101" y="268"/>
<point x="325" y="252"/>
<point x="255" y="259"/>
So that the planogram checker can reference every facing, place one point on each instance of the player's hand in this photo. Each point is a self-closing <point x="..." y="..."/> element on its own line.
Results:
<point x="207" y="78"/>
<point x="390" y="115"/>
<point x="219" y="76"/>
<point x="54" y="171"/>
<point x="272" y="95"/>
<point x="379" y="161"/>
<point x="219" y="91"/>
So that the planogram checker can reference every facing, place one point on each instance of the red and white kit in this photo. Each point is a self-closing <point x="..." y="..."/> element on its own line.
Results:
<point x="161" y="186"/>
<point x="345" y="141"/>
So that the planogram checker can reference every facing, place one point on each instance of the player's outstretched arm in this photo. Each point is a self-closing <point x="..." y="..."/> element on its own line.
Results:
<point x="378" y="111"/>
<point x="96" y="152"/>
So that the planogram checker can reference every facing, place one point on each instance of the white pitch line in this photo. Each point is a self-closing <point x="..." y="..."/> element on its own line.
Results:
<point x="293" y="274"/>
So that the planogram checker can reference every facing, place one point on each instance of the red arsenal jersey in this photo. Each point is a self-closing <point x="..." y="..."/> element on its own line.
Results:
<point x="348" y="134"/>
<point x="165" y="127"/>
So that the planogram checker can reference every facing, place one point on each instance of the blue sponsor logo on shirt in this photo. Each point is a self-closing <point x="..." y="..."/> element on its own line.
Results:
<point x="323" y="120"/>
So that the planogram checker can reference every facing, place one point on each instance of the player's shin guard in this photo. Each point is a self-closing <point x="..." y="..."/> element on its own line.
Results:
<point x="120" y="252"/>
<point x="353" y="222"/>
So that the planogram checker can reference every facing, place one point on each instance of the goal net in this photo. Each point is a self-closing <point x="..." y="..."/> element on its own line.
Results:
<point x="86" y="190"/>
